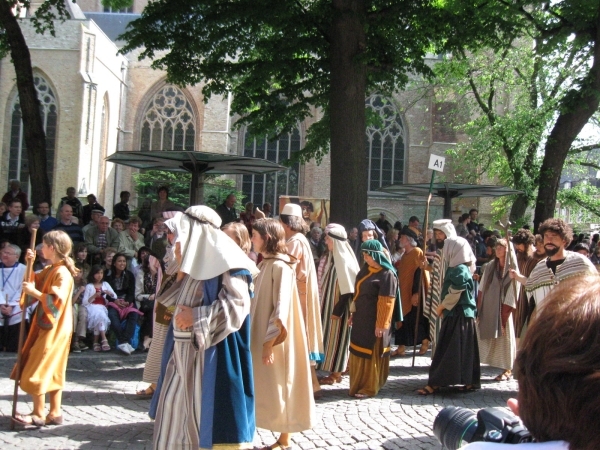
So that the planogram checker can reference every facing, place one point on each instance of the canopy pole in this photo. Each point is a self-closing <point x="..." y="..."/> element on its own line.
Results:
<point x="193" y="188"/>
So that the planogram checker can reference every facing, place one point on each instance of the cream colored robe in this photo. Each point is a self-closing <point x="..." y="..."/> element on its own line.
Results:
<point x="283" y="390"/>
<point x="308" y="289"/>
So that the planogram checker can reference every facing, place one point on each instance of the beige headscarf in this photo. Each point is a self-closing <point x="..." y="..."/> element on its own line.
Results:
<point x="458" y="251"/>
<point x="207" y="252"/>
<point x="446" y="227"/>
<point x="344" y="259"/>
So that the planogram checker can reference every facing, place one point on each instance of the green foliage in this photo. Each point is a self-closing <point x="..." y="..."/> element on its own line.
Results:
<point x="274" y="55"/>
<point x="146" y="184"/>
<point x="508" y="98"/>
<point x="43" y="19"/>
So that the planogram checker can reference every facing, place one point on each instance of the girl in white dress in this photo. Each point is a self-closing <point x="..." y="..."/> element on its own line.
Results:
<point x="95" y="300"/>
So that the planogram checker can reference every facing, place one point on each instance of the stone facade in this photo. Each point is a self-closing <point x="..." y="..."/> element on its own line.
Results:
<point x="103" y="98"/>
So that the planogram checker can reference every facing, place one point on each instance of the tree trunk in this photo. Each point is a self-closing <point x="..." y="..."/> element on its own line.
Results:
<point x="518" y="209"/>
<point x="33" y="128"/>
<point x="576" y="109"/>
<point x="349" y="163"/>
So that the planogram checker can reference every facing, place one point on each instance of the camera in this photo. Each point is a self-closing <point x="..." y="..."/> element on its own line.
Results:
<point x="454" y="426"/>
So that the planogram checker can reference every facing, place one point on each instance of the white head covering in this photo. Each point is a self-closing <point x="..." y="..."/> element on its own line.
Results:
<point x="292" y="209"/>
<point x="445" y="226"/>
<point x="344" y="258"/>
<point x="207" y="252"/>
<point x="458" y="251"/>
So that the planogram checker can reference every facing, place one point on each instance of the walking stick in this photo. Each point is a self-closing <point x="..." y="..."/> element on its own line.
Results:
<point x="510" y="261"/>
<point x="24" y="302"/>
<point x="422" y="277"/>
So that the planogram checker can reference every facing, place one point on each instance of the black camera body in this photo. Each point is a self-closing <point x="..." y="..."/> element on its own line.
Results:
<point x="453" y="426"/>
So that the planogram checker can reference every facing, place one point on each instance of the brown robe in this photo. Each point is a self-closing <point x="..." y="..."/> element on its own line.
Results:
<point x="46" y="350"/>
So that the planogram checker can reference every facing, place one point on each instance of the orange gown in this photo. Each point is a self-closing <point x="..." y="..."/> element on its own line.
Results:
<point x="46" y="350"/>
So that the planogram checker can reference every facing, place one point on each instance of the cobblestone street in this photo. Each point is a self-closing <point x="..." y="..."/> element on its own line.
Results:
<point x="101" y="411"/>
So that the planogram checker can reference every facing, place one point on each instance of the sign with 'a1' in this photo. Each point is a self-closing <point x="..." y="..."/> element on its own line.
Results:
<point x="437" y="163"/>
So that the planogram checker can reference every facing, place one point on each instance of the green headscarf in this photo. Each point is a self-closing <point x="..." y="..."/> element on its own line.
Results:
<point x="375" y="251"/>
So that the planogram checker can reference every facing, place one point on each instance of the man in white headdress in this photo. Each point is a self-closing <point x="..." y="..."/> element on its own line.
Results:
<point x="205" y="393"/>
<point x="306" y="280"/>
<point x="337" y="275"/>
<point x="443" y="233"/>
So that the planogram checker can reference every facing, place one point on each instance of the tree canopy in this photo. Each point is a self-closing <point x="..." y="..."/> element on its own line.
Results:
<point x="526" y="101"/>
<point x="285" y="59"/>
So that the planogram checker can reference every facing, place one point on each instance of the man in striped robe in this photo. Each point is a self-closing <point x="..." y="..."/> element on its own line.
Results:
<point x="559" y="265"/>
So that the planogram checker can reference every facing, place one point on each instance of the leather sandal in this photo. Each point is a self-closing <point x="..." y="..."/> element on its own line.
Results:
<point x="29" y="420"/>
<point x="330" y="379"/>
<point x="105" y="346"/>
<point x="504" y="376"/>
<point x="428" y="390"/>
<point x="50" y="420"/>
<point x="145" y="393"/>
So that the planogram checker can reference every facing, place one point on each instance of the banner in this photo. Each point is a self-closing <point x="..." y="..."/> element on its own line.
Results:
<point x="313" y="209"/>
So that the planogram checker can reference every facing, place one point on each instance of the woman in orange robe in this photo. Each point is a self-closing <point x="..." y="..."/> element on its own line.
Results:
<point x="46" y="350"/>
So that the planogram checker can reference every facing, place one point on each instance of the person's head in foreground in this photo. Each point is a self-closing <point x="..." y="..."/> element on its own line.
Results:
<point x="558" y="367"/>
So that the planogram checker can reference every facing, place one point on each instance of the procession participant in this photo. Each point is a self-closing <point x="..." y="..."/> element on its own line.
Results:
<point x="46" y="350"/>
<point x="495" y="305"/>
<point x="306" y="281"/>
<point x="12" y="276"/>
<point x="337" y="274"/>
<point x="559" y="265"/>
<point x="456" y="357"/>
<point x="375" y="294"/>
<point x="530" y="250"/>
<point x="442" y="230"/>
<point x="409" y="277"/>
<point x="282" y="379"/>
<point x="163" y="310"/>
<point x="205" y="394"/>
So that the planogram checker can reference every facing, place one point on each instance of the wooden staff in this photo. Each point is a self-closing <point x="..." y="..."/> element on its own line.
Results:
<point x="510" y="261"/>
<point x="421" y="290"/>
<point x="24" y="302"/>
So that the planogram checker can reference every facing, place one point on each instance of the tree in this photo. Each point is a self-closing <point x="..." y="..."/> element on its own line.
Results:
<point x="282" y="59"/>
<point x="12" y="41"/>
<point x="527" y="101"/>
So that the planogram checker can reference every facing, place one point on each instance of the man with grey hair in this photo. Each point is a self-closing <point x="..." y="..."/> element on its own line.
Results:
<point x="10" y="293"/>
<point x="101" y="236"/>
<point x="409" y="279"/>
<point x="67" y="225"/>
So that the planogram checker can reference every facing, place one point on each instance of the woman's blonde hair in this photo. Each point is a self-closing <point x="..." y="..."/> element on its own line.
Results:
<point x="62" y="246"/>
<point x="240" y="235"/>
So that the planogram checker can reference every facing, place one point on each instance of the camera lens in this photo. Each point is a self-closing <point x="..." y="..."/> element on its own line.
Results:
<point x="454" y="425"/>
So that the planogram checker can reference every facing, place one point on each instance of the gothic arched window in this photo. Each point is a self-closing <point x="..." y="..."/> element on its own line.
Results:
<point x="168" y="122"/>
<point x="260" y="189"/>
<point x="385" y="144"/>
<point x="18" y="164"/>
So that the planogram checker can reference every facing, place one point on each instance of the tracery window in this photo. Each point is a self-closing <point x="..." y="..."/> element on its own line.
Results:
<point x="18" y="163"/>
<point x="168" y="122"/>
<point x="385" y="144"/>
<point x="260" y="189"/>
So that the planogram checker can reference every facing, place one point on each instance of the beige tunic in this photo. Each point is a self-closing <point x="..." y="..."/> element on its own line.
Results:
<point x="283" y="390"/>
<point x="308" y="289"/>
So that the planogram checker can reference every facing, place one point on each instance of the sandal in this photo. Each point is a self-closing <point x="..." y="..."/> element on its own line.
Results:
<point x="424" y="347"/>
<point x="504" y="376"/>
<point x="361" y="396"/>
<point x="428" y="390"/>
<point x="468" y="388"/>
<point x="330" y="379"/>
<point x="275" y="446"/>
<point x="105" y="346"/>
<point x="144" y="393"/>
<point x="97" y="347"/>
<point x="29" y="420"/>
<point x="50" y="420"/>
<point x="398" y="352"/>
